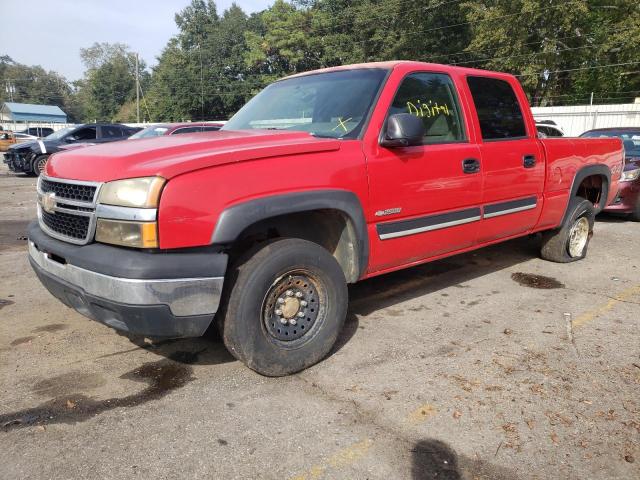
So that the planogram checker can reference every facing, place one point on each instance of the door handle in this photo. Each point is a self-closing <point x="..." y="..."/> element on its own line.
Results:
<point x="529" y="161"/>
<point x="470" y="165"/>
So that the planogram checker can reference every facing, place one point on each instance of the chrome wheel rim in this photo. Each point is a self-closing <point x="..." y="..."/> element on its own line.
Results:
<point x="41" y="164"/>
<point x="578" y="237"/>
<point x="292" y="306"/>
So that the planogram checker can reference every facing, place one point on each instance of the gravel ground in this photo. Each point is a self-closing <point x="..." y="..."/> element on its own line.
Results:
<point x="459" y="369"/>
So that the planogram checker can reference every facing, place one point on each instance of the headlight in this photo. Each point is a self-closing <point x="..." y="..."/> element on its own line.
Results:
<point x="630" y="175"/>
<point x="128" y="234"/>
<point x="134" y="192"/>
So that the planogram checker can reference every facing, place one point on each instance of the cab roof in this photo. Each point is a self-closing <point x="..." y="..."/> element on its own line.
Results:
<point x="407" y="65"/>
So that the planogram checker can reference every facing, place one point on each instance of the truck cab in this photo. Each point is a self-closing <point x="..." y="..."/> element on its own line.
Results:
<point x="323" y="179"/>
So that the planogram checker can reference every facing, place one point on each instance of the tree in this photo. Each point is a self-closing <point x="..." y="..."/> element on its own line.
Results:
<point x="109" y="81"/>
<point x="201" y="74"/>
<point x="33" y="84"/>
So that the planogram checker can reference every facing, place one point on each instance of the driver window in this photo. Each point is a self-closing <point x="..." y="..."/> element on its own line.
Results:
<point x="431" y="97"/>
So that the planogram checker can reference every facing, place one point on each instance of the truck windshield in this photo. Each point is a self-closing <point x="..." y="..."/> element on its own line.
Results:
<point x="333" y="104"/>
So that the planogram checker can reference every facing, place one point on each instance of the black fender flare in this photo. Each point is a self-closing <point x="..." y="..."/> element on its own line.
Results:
<point x="588" y="171"/>
<point x="235" y="219"/>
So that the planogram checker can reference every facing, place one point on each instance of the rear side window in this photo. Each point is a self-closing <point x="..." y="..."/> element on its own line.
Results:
<point x="498" y="109"/>
<point x="180" y="131"/>
<point x="84" y="134"/>
<point x="111" y="132"/>
<point x="431" y="97"/>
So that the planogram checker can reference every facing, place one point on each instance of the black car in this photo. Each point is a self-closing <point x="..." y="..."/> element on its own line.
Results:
<point x="31" y="157"/>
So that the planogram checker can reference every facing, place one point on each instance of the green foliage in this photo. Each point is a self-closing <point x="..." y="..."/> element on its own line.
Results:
<point x="36" y="85"/>
<point x="201" y="74"/>
<point x="109" y="81"/>
<point x="561" y="50"/>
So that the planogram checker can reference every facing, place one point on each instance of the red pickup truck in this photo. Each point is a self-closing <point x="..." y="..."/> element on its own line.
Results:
<point x="323" y="179"/>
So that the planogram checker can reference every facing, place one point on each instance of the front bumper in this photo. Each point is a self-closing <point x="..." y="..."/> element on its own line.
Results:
<point x="153" y="294"/>
<point x="17" y="162"/>
<point x="627" y="198"/>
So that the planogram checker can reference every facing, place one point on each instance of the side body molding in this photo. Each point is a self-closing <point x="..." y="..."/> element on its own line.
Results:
<point x="234" y="220"/>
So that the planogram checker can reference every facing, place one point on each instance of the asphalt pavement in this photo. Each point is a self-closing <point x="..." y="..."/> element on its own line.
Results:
<point x="489" y="365"/>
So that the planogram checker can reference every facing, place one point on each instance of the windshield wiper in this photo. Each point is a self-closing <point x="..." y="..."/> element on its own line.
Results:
<point x="320" y="135"/>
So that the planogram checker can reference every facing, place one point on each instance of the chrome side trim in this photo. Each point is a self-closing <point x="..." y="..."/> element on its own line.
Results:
<point x="126" y="213"/>
<point x="184" y="296"/>
<point x="429" y="228"/>
<point x="510" y="210"/>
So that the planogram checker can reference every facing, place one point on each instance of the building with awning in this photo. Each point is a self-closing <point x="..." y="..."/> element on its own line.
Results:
<point x="29" y="113"/>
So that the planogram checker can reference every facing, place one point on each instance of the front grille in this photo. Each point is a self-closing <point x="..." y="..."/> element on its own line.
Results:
<point x="69" y="191"/>
<point x="72" y="226"/>
<point x="70" y="214"/>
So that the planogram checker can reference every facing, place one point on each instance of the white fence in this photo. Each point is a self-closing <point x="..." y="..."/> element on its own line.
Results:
<point x="573" y="120"/>
<point x="578" y="119"/>
<point x="17" y="126"/>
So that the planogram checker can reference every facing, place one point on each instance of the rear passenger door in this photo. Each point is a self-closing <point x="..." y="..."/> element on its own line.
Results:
<point x="513" y="162"/>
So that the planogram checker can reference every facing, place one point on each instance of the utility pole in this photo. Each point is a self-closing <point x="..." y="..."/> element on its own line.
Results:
<point x="137" y="91"/>
<point x="591" y="102"/>
<point x="10" y="89"/>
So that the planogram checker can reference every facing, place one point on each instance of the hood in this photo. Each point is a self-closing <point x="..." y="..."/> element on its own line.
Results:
<point x="23" y="145"/>
<point x="168" y="156"/>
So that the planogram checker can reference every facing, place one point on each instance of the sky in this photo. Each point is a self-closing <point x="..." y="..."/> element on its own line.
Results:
<point x="50" y="33"/>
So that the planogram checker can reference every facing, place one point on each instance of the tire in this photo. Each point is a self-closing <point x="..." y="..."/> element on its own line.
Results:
<point x="38" y="164"/>
<point x="557" y="245"/>
<point x="267" y="318"/>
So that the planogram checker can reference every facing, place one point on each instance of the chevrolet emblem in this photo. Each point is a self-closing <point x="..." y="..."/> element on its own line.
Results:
<point x="48" y="202"/>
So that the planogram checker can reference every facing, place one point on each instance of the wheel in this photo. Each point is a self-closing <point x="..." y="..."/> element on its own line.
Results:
<point x="38" y="164"/>
<point x="571" y="241"/>
<point x="284" y="306"/>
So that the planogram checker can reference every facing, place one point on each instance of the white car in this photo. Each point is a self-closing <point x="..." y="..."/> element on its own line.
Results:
<point x="547" y="130"/>
<point x="24" y="137"/>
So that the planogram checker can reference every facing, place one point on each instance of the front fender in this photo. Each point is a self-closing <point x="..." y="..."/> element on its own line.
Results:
<point x="237" y="218"/>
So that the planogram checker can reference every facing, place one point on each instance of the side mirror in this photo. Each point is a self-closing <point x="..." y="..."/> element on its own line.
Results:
<point x="70" y="139"/>
<point x="403" y="130"/>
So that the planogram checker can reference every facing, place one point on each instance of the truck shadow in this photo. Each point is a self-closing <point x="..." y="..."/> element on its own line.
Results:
<point x="606" y="217"/>
<point x="433" y="459"/>
<point x="206" y="350"/>
<point x="387" y="290"/>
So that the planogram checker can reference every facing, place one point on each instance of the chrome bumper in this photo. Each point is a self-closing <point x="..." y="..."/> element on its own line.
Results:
<point x="183" y="296"/>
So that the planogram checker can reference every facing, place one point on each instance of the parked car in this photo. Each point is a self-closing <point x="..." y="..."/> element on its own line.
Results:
<point x="7" y="139"/>
<point x="39" y="132"/>
<point x="628" y="198"/>
<point x="31" y="157"/>
<point x="324" y="178"/>
<point x="24" y="137"/>
<point x="176" y="129"/>
<point x="549" y="131"/>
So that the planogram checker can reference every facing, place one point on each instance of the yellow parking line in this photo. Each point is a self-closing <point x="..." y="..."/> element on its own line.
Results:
<point x="591" y="315"/>
<point x="338" y="460"/>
